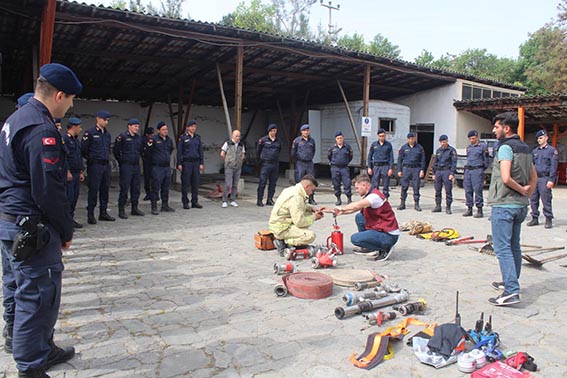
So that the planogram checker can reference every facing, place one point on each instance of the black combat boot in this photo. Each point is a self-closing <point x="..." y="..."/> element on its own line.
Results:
<point x="437" y="208"/>
<point x="270" y="202"/>
<point x="448" y="210"/>
<point x="77" y="224"/>
<point x="468" y="212"/>
<point x="8" y="333"/>
<point x="104" y="216"/>
<point x="402" y="205"/>
<point x="122" y="213"/>
<point x="339" y="202"/>
<point x="154" y="208"/>
<point x="136" y="212"/>
<point x="165" y="207"/>
<point x="312" y="200"/>
<point x="33" y="373"/>
<point x="533" y="222"/>
<point x="349" y="199"/>
<point x="416" y="206"/>
<point x="548" y="223"/>
<point x="259" y="203"/>
<point x="58" y="355"/>
<point x="479" y="213"/>
<point x="91" y="218"/>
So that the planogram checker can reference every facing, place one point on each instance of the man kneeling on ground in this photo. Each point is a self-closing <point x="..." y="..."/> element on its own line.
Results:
<point x="378" y="229"/>
<point x="292" y="216"/>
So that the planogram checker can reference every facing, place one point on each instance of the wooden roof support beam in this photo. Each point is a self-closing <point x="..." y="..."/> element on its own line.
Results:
<point x="224" y="104"/>
<point x="351" y="119"/>
<point x="46" y="34"/>
<point x="554" y="138"/>
<point x="521" y="118"/>
<point x="238" y="87"/>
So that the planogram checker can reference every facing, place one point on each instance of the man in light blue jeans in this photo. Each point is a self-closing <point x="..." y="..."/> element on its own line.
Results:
<point x="512" y="183"/>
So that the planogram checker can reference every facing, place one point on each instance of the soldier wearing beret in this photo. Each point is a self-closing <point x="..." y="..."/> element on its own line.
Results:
<point x="32" y="195"/>
<point x="302" y="153"/>
<point x="340" y="155"/>
<point x="268" y="154"/>
<point x="74" y="164"/>
<point x="160" y="148"/>
<point x="23" y="99"/>
<point x="473" y="182"/>
<point x="190" y="162"/>
<point x="381" y="162"/>
<point x="128" y="148"/>
<point x="411" y="167"/>
<point x="95" y="147"/>
<point x="545" y="159"/>
<point x="444" y="173"/>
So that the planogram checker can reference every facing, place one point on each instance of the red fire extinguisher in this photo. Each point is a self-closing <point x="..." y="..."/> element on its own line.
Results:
<point x="336" y="237"/>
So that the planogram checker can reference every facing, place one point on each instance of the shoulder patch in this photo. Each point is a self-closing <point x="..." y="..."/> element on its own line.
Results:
<point x="48" y="141"/>
<point x="119" y="138"/>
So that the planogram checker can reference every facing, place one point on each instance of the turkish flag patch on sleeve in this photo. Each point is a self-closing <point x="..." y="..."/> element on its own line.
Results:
<point x="49" y="141"/>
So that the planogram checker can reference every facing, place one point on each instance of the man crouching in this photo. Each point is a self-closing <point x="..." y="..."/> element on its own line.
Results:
<point x="292" y="216"/>
<point x="378" y="229"/>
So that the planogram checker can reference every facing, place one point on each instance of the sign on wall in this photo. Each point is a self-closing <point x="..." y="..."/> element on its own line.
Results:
<point x="366" y="127"/>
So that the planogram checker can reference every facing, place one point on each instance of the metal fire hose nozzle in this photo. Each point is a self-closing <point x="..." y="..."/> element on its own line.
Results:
<point x="280" y="290"/>
<point x="283" y="268"/>
<point x="410" y="308"/>
<point x="368" y="305"/>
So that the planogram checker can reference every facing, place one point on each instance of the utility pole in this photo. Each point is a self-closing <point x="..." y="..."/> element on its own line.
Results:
<point x="332" y="33"/>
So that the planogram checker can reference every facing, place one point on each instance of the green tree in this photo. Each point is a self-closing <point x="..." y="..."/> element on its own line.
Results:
<point x="118" y="4"/>
<point x="426" y="58"/>
<point x="543" y="60"/>
<point x="479" y="62"/>
<point x="292" y="17"/>
<point x="354" y="42"/>
<point x="381" y="45"/>
<point x="257" y="16"/>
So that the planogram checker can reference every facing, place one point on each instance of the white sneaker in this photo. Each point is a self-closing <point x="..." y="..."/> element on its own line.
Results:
<point x="224" y="205"/>
<point x="233" y="204"/>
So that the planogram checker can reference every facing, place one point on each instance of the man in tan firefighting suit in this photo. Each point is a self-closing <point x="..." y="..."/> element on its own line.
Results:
<point x="292" y="216"/>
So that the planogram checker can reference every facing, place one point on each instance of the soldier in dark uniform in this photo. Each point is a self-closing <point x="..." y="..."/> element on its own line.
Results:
<point x="411" y="167"/>
<point x="147" y="163"/>
<point x="381" y="162"/>
<point x="96" y="149"/>
<point x="477" y="163"/>
<point x="268" y="154"/>
<point x="32" y="194"/>
<point x="160" y="148"/>
<point x="58" y="124"/>
<point x="190" y="162"/>
<point x="545" y="159"/>
<point x="302" y="152"/>
<point x="23" y="99"/>
<point x="128" y="148"/>
<point x="340" y="155"/>
<point x="444" y="173"/>
<point x="74" y="165"/>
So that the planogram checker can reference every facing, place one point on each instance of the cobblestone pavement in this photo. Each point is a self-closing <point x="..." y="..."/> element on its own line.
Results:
<point x="188" y="295"/>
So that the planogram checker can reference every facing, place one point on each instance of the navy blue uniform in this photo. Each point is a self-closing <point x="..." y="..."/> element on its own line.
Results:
<point x="411" y="160"/>
<point x="147" y="166"/>
<point x="381" y="160"/>
<point x="444" y="166"/>
<point x="190" y="156"/>
<point x="339" y="158"/>
<point x="545" y="160"/>
<point x="473" y="182"/>
<point x="160" y="150"/>
<point x="302" y="152"/>
<point x="268" y="154"/>
<point x="127" y="151"/>
<point x="74" y="164"/>
<point x="96" y="149"/>
<point x="32" y="182"/>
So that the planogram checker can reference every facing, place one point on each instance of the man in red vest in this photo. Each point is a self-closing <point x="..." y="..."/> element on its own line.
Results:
<point x="378" y="229"/>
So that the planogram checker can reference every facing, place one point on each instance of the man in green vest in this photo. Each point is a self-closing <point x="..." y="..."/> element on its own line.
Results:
<point x="233" y="154"/>
<point x="513" y="181"/>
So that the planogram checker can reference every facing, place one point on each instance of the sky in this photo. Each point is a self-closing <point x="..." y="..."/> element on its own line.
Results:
<point x="438" y="26"/>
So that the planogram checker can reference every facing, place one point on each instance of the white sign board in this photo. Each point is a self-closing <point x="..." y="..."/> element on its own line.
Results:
<point x="366" y="128"/>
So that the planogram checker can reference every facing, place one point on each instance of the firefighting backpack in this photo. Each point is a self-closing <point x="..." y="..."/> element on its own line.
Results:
<point x="264" y="240"/>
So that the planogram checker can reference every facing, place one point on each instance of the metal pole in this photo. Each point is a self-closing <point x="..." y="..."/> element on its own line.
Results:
<point x="351" y="119"/>
<point x="224" y="104"/>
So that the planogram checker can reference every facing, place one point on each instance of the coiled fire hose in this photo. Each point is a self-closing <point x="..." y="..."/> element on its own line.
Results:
<point x="306" y="285"/>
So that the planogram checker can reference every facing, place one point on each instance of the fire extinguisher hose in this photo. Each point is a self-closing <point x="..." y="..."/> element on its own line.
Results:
<point x="308" y="285"/>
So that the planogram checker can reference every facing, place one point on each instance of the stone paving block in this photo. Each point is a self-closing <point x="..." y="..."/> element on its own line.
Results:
<point x="182" y="362"/>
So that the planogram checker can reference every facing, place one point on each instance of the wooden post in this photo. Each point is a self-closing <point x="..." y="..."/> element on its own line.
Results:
<point x="365" y="99"/>
<point x="224" y="104"/>
<point x="238" y="87"/>
<point x="180" y="111"/>
<point x="190" y="102"/>
<point x="555" y="138"/>
<point x="46" y="33"/>
<point x="352" y="124"/>
<point x="521" y="113"/>
<point x="148" y="117"/>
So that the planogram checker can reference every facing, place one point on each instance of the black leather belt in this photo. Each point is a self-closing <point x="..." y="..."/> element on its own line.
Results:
<point x="411" y="165"/>
<point x="98" y="161"/>
<point x="474" y="166"/>
<point x="339" y="166"/>
<point x="380" y="164"/>
<point x="8" y="217"/>
<point x="443" y="168"/>
<point x="542" y="175"/>
<point x="161" y="164"/>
